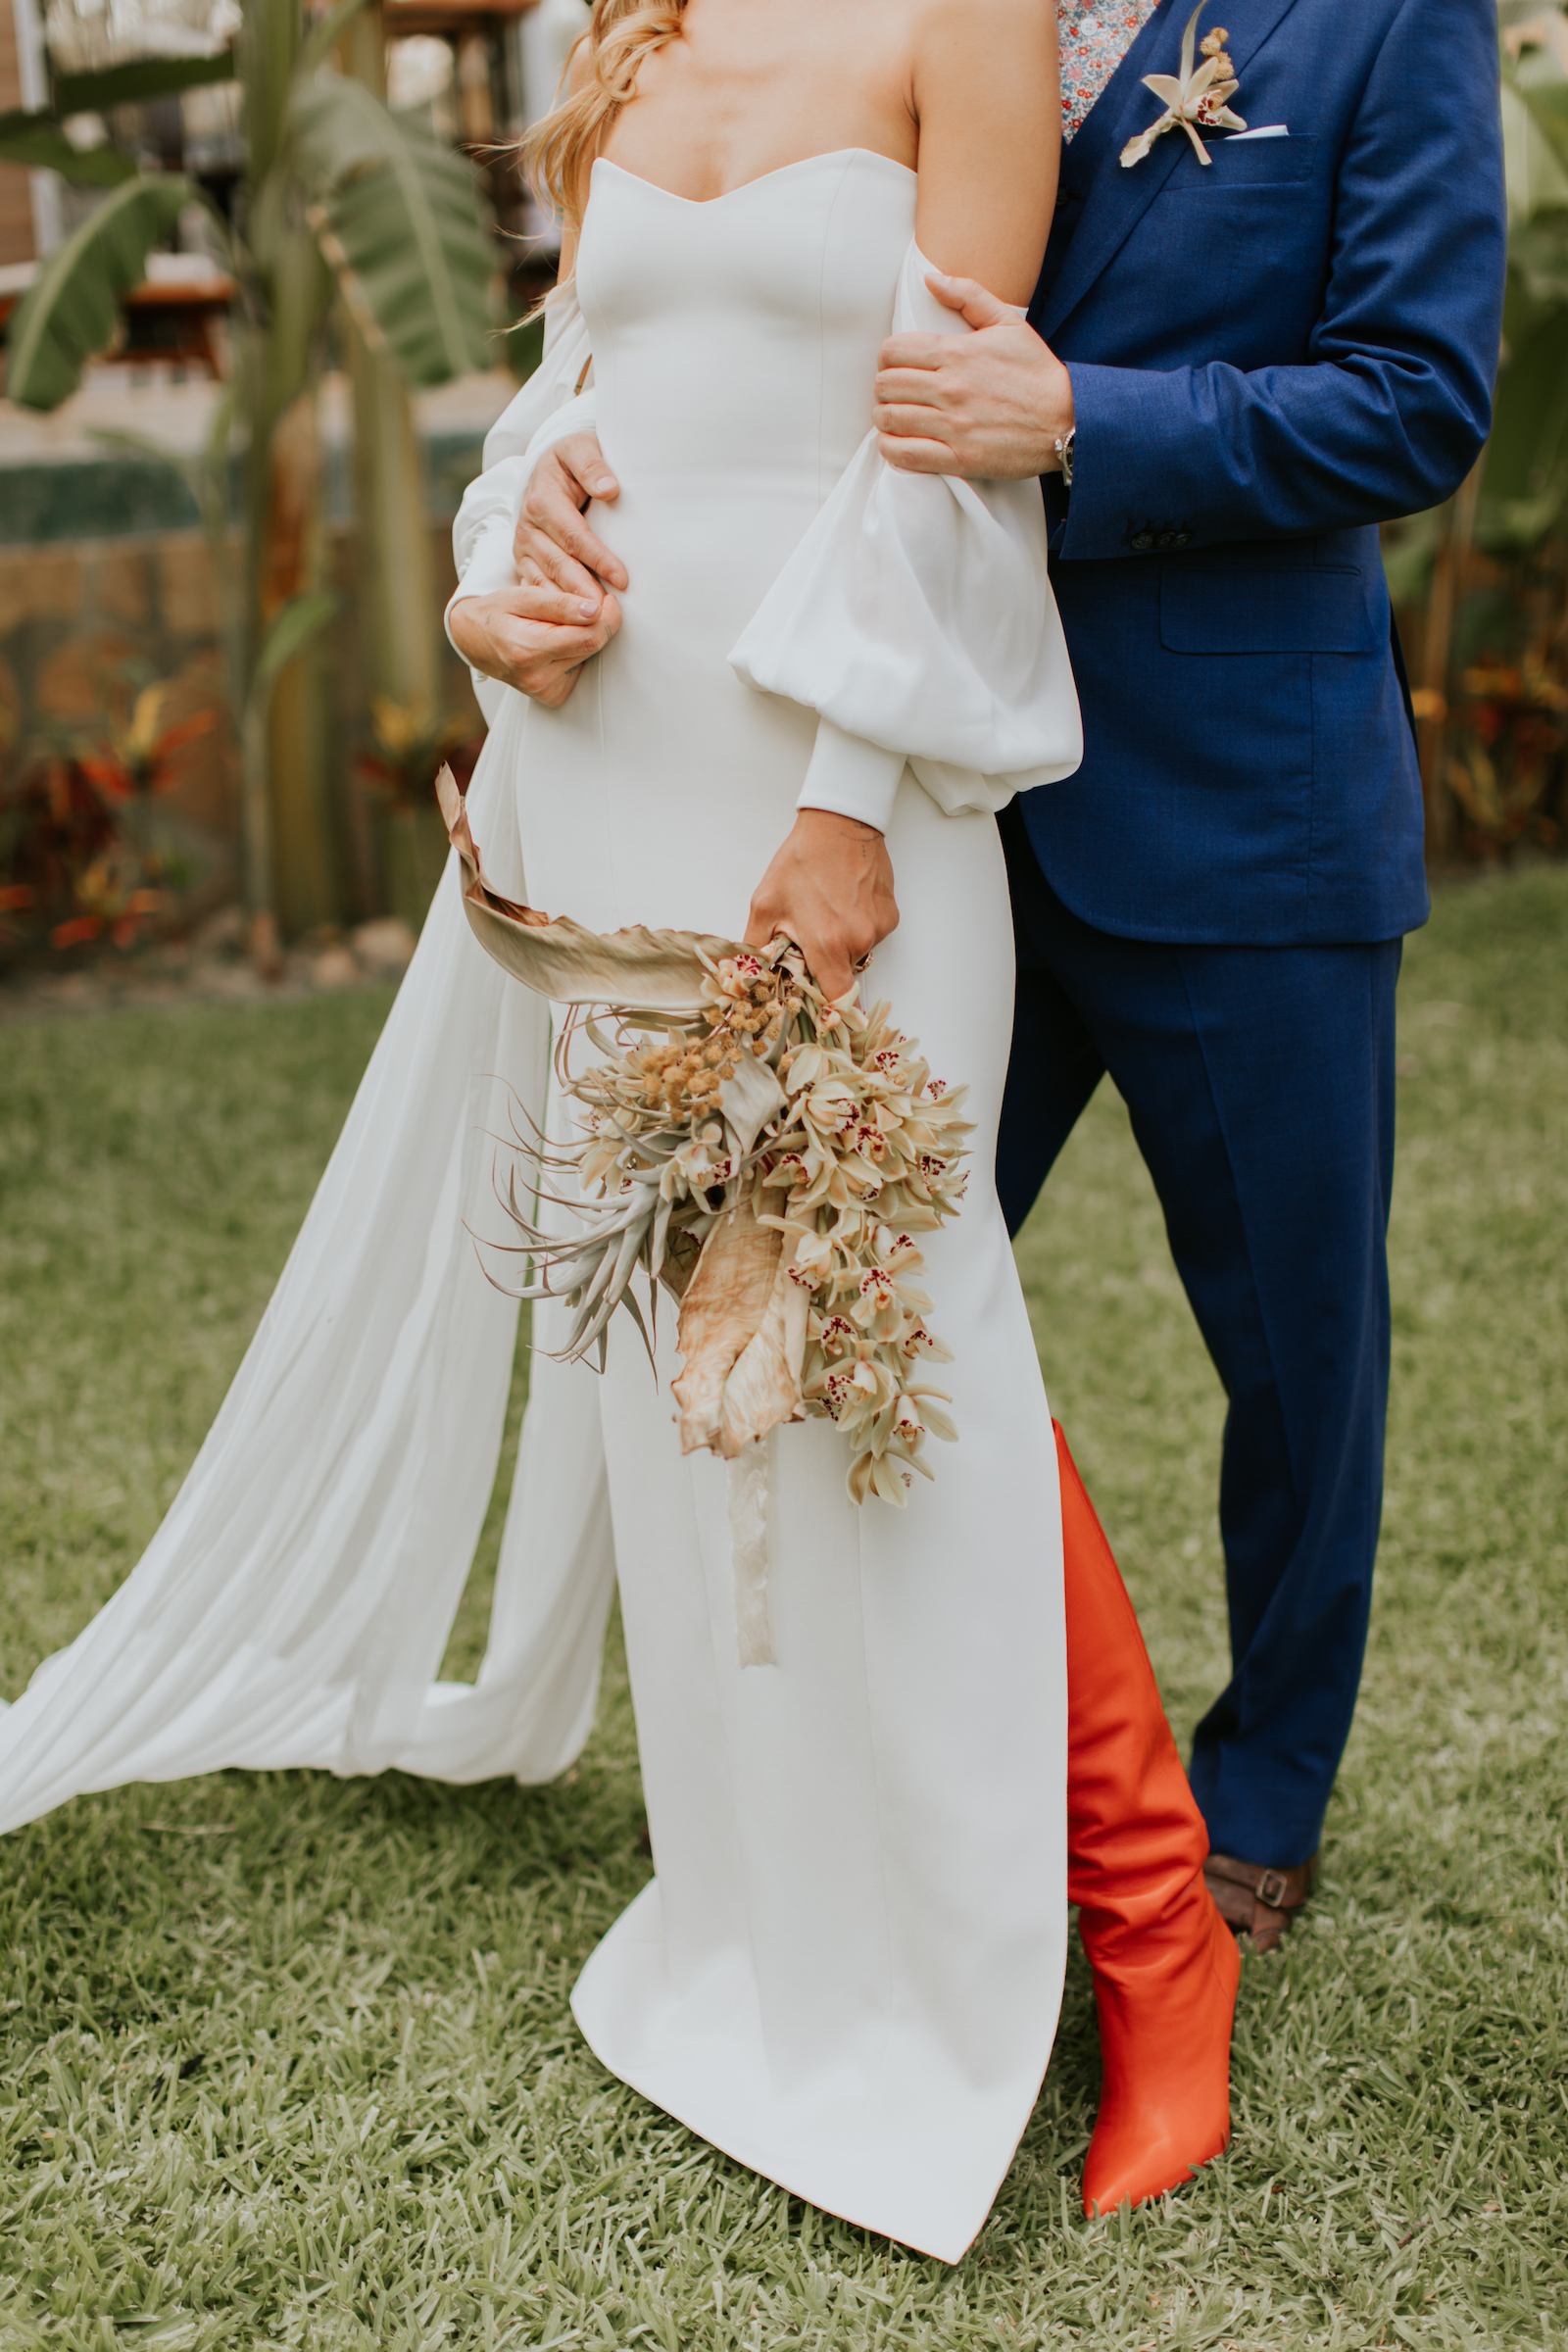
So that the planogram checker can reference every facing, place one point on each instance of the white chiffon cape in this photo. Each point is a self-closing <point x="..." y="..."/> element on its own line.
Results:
<point x="293" y="1607"/>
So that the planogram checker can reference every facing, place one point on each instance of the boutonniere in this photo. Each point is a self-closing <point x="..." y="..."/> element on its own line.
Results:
<point x="1191" y="97"/>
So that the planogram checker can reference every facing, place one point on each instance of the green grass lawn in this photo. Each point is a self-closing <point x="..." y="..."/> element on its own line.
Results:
<point x="288" y="2061"/>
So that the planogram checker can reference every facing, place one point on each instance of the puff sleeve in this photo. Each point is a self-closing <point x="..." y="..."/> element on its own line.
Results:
<point x="916" y="618"/>
<point x="551" y="404"/>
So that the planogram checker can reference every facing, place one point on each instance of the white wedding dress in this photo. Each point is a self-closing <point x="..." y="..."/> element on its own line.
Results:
<point x="846" y="1969"/>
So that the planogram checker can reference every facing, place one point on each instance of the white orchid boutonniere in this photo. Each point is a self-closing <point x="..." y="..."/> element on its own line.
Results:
<point x="1191" y="97"/>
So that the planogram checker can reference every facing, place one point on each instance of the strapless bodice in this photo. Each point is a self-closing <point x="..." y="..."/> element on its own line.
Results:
<point x="736" y="342"/>
<point x="780" y="573"/>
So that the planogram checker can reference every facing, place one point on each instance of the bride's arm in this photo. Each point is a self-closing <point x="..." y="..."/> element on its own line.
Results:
<point x="511" y="625"/>
<point x="510" y="621"/>
<point x="987" y="96"/>
<point x="985" y="92"/>
<point x="552" y="546"/>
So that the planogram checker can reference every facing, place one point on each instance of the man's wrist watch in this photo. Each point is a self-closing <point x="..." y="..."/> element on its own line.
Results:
<point x="1064" y="456"/>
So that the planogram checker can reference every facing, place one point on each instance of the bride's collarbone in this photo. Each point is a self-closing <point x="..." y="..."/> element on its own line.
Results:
<point x="712" y="114"/>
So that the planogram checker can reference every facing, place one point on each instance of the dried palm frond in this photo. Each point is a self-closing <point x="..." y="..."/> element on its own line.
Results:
<point x="563" y="961"/>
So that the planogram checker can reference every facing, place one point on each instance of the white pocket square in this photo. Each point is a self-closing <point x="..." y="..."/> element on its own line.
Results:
<point x="1265" y="130"/>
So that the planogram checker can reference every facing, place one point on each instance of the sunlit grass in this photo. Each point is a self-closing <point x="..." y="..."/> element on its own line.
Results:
<point x="287" y="2061"/>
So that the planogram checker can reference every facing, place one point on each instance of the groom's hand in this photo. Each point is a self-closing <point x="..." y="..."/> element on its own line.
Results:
<point x="992" y="405"/>
<point x="551" y="544"/>
<point x="830" y="889"/>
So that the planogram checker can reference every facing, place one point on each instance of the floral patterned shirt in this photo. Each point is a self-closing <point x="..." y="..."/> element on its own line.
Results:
<point x="1095" y="36"/>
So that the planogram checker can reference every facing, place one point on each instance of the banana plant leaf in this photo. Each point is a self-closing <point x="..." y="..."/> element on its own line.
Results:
<point x="37" y="142"/>
<point x="292" y="628"/>
<point x="400" y="221"/>
<point x="1525" y="482"/>
<point x="72" y="310"/>
<point x="1538" y="268"/>
<point x="1536" y="178"/>
<point x="1525" y="486"/>
<point x="1547" y="101"/>
<point x="138" y="81"/>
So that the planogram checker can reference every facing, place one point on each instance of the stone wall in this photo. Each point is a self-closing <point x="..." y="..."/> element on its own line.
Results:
<point x="84" y="623"/>
<point x="80" y="627"/>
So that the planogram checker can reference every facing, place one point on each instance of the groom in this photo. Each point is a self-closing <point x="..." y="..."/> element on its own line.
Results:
<point x="1231" y="372"/>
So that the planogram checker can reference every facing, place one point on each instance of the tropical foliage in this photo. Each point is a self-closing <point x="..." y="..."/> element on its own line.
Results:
<point x="1487" y="576"/>
<point x="354" y="226"/>
<point x="81" y="857"/>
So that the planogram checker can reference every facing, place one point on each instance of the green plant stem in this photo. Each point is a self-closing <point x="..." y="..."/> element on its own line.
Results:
<point x="1447" y="588"/>
<point x="399" y="625"/>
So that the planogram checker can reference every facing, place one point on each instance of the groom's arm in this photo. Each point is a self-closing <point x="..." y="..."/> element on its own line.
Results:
<point x="1386" y="418"/>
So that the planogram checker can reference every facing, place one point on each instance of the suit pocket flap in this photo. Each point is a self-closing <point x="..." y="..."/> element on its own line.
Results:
<point x="1310" y="609"/>
<point x="1246" y="164"/>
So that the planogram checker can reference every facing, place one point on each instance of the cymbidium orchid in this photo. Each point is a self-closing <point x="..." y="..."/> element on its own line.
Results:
<point x="763" y="1155"/>
<point x="1195" y="97"/>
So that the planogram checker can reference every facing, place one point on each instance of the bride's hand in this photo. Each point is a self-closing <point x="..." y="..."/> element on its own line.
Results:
<point x="830" y="888"/>
<point x="533" y="638"/>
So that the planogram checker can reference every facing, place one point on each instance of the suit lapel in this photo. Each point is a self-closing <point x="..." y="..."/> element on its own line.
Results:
<point x="1115" y="199"/>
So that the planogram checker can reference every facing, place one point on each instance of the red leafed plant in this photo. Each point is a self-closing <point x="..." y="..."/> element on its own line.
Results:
<point x="1507" y="748"/>
<point x="76" y="859"/>
<point x="413" y="743"/>
<point x="140" y="758"/>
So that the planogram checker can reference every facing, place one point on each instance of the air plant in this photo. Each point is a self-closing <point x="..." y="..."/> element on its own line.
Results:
<point x="760" y="1154"/>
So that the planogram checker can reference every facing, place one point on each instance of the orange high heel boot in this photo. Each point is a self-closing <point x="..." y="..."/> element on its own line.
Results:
<point x="1165" y="1964"/>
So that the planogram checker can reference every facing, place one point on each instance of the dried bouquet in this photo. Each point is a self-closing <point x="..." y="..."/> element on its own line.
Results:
<point x="761" y="1154"/>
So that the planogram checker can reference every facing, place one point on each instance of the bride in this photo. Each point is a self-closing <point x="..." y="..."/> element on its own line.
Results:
<point x="828" y="677"/>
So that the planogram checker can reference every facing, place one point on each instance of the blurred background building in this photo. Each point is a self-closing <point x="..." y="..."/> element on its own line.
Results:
<point x="234" y="441"/>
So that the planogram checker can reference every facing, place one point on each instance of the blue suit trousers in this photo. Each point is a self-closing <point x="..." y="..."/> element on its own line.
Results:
<point x="1259" y="1082"/>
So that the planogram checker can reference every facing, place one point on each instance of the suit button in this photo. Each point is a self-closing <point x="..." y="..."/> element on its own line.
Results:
<point x="1143" y="540"/>
<point x="1166" y="539"/>
<point x="1183" y="539"/>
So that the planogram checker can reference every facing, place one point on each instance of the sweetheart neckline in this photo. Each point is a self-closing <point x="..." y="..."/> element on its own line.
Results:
<point x="697" y="204"/>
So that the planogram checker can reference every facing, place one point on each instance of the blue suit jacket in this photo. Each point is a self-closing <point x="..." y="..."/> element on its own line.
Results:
<point x="1268" y="358"/>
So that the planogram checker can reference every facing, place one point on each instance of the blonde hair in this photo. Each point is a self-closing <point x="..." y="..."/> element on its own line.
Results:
<point x="557" y="152"/>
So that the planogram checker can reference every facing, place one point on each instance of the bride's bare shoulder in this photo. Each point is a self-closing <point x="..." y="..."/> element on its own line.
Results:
<point x="990" y="32"/>
<point x="988" y="103"/>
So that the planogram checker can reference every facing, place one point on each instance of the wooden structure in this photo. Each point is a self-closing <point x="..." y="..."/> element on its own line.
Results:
<point x="176" y="320"/>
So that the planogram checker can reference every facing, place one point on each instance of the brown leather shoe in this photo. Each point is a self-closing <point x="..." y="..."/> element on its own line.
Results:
<point x="1255" y="1901"/>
